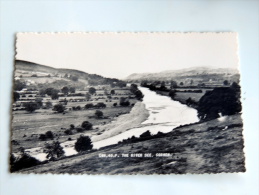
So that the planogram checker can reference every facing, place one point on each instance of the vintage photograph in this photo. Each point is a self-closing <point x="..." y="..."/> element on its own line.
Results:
<point x="127" y="103"/>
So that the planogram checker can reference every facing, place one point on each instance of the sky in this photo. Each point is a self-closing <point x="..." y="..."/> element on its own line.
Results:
<point x="117" y="55"/>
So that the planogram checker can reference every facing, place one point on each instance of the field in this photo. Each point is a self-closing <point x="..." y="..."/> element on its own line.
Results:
<point x="210" y="147"/>
<point x="26" y="127"/>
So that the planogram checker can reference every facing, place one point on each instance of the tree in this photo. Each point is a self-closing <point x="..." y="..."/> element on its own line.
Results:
<point x="220" y="100"/>
<point x="19" y="85"/>
<point x="86" y="125"/>
<point x="173" y="84"/>
<point x="49" y="134"/>
<point x="22" y="162"/>
<point x="100" y="105"/>
<point x="83" y="143"/>
<point x="139" y="95"/>
<point x="16" y="96"/>
<point x="54" y="94"/>
<point x="53" y="150"/>
<point x="112" y="92"/>
<point x="114" y="104"/>
<point x="87" y="106"/>
<point x="181" y="83"/>
<point x="30" y="106"/>
<point x="65" y="90"/>
<point x="59" y="108"/>
<point x="172" y="94"/>
<point x="92" y="90"/>
<point x="98" y="113"/>
<point x="48" y="91"/>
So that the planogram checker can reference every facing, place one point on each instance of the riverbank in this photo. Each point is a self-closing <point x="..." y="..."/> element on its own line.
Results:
<point x="137" y="115"/>
<point x="214" y="146"/>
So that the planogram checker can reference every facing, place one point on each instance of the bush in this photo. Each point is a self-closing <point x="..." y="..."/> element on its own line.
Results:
<point x="49" y="134"/>
<point x="172" y="93"/>
<point x="115" y="104"/>
<point x="72" y="126"/>
<point x="30" y="106"/>
<point x="87" y="106"/>
<point x="98" y="113"/>
<point x="25" y="161"/>
<point x="83" y="143"/>
<point x="145" y="134"/>
<point x="126" y="103"/>
<point x="42" y="137"/>
<point x="92" y="90"/>
<point x="53" y="150"/>
<point x="86" y="125"/>
<point x="59" y="108"/>
<point x="100" y="105"/>
<point x="68" y="132"/>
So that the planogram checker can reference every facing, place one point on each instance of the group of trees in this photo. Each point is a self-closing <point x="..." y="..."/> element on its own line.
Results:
<point x="134" y="89"/>
<point x="222" y="100"/>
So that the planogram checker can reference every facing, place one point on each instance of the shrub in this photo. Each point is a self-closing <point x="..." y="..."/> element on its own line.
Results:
<point x="25" y="161"/>
<point x="49" y="134"/>
<point x="68" y="132"/>
<point x="100" y="105"/>
<point x="114" y="104"/>
<point x="145" y="134"/>
<point x="59" y="108"/>
<point x="30" y="106"/>
<point x="72" y="126"/>
<point x="86" y="125"/>
<point x="92" y="90"/>
<point x="87" y="106"/>
<point x="42" y="137"/>
<point x="83" y="143"/>
<point x="53" y="150"/>
<point x="172" y="93"/>
<point x="98" y="113"/>
<point x="79" y="129"/>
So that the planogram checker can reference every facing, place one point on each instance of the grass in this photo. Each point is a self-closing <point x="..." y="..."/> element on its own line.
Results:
<point x="27" y="126"/>
<point x="194" y="149"/>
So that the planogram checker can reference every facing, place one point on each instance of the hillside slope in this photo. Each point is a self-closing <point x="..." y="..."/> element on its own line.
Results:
<point x="29" y="68"/>
<point x="202" y="73"/>
<point x="214" y="146"/>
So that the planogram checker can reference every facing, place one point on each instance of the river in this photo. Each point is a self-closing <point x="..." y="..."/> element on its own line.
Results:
<point x="164" y="115"/>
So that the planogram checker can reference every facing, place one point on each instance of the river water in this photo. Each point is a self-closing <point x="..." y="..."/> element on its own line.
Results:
<point x="164" y="115"/>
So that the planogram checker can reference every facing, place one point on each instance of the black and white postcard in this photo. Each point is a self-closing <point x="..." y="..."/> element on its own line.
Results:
<point x="127" y="103"/>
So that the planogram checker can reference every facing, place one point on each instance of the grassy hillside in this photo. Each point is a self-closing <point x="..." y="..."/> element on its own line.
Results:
<point x="197" y="75"/>
<point x="27" y="69"/>
<point x="210" y="147"/>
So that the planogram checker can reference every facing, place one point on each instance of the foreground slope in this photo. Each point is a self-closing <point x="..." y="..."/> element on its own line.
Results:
<point x="210" y="147"/>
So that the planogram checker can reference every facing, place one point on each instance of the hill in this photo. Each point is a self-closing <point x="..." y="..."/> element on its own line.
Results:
<point x="29" y="69"/>
<point x="199" y="74"/>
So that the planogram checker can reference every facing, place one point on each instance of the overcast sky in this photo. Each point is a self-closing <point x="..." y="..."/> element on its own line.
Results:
<point x="121" y="54"/>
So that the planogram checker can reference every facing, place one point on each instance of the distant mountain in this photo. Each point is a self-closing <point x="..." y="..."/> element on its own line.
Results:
<point x="195" y="73"/>
<point x="33" y="68"/>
